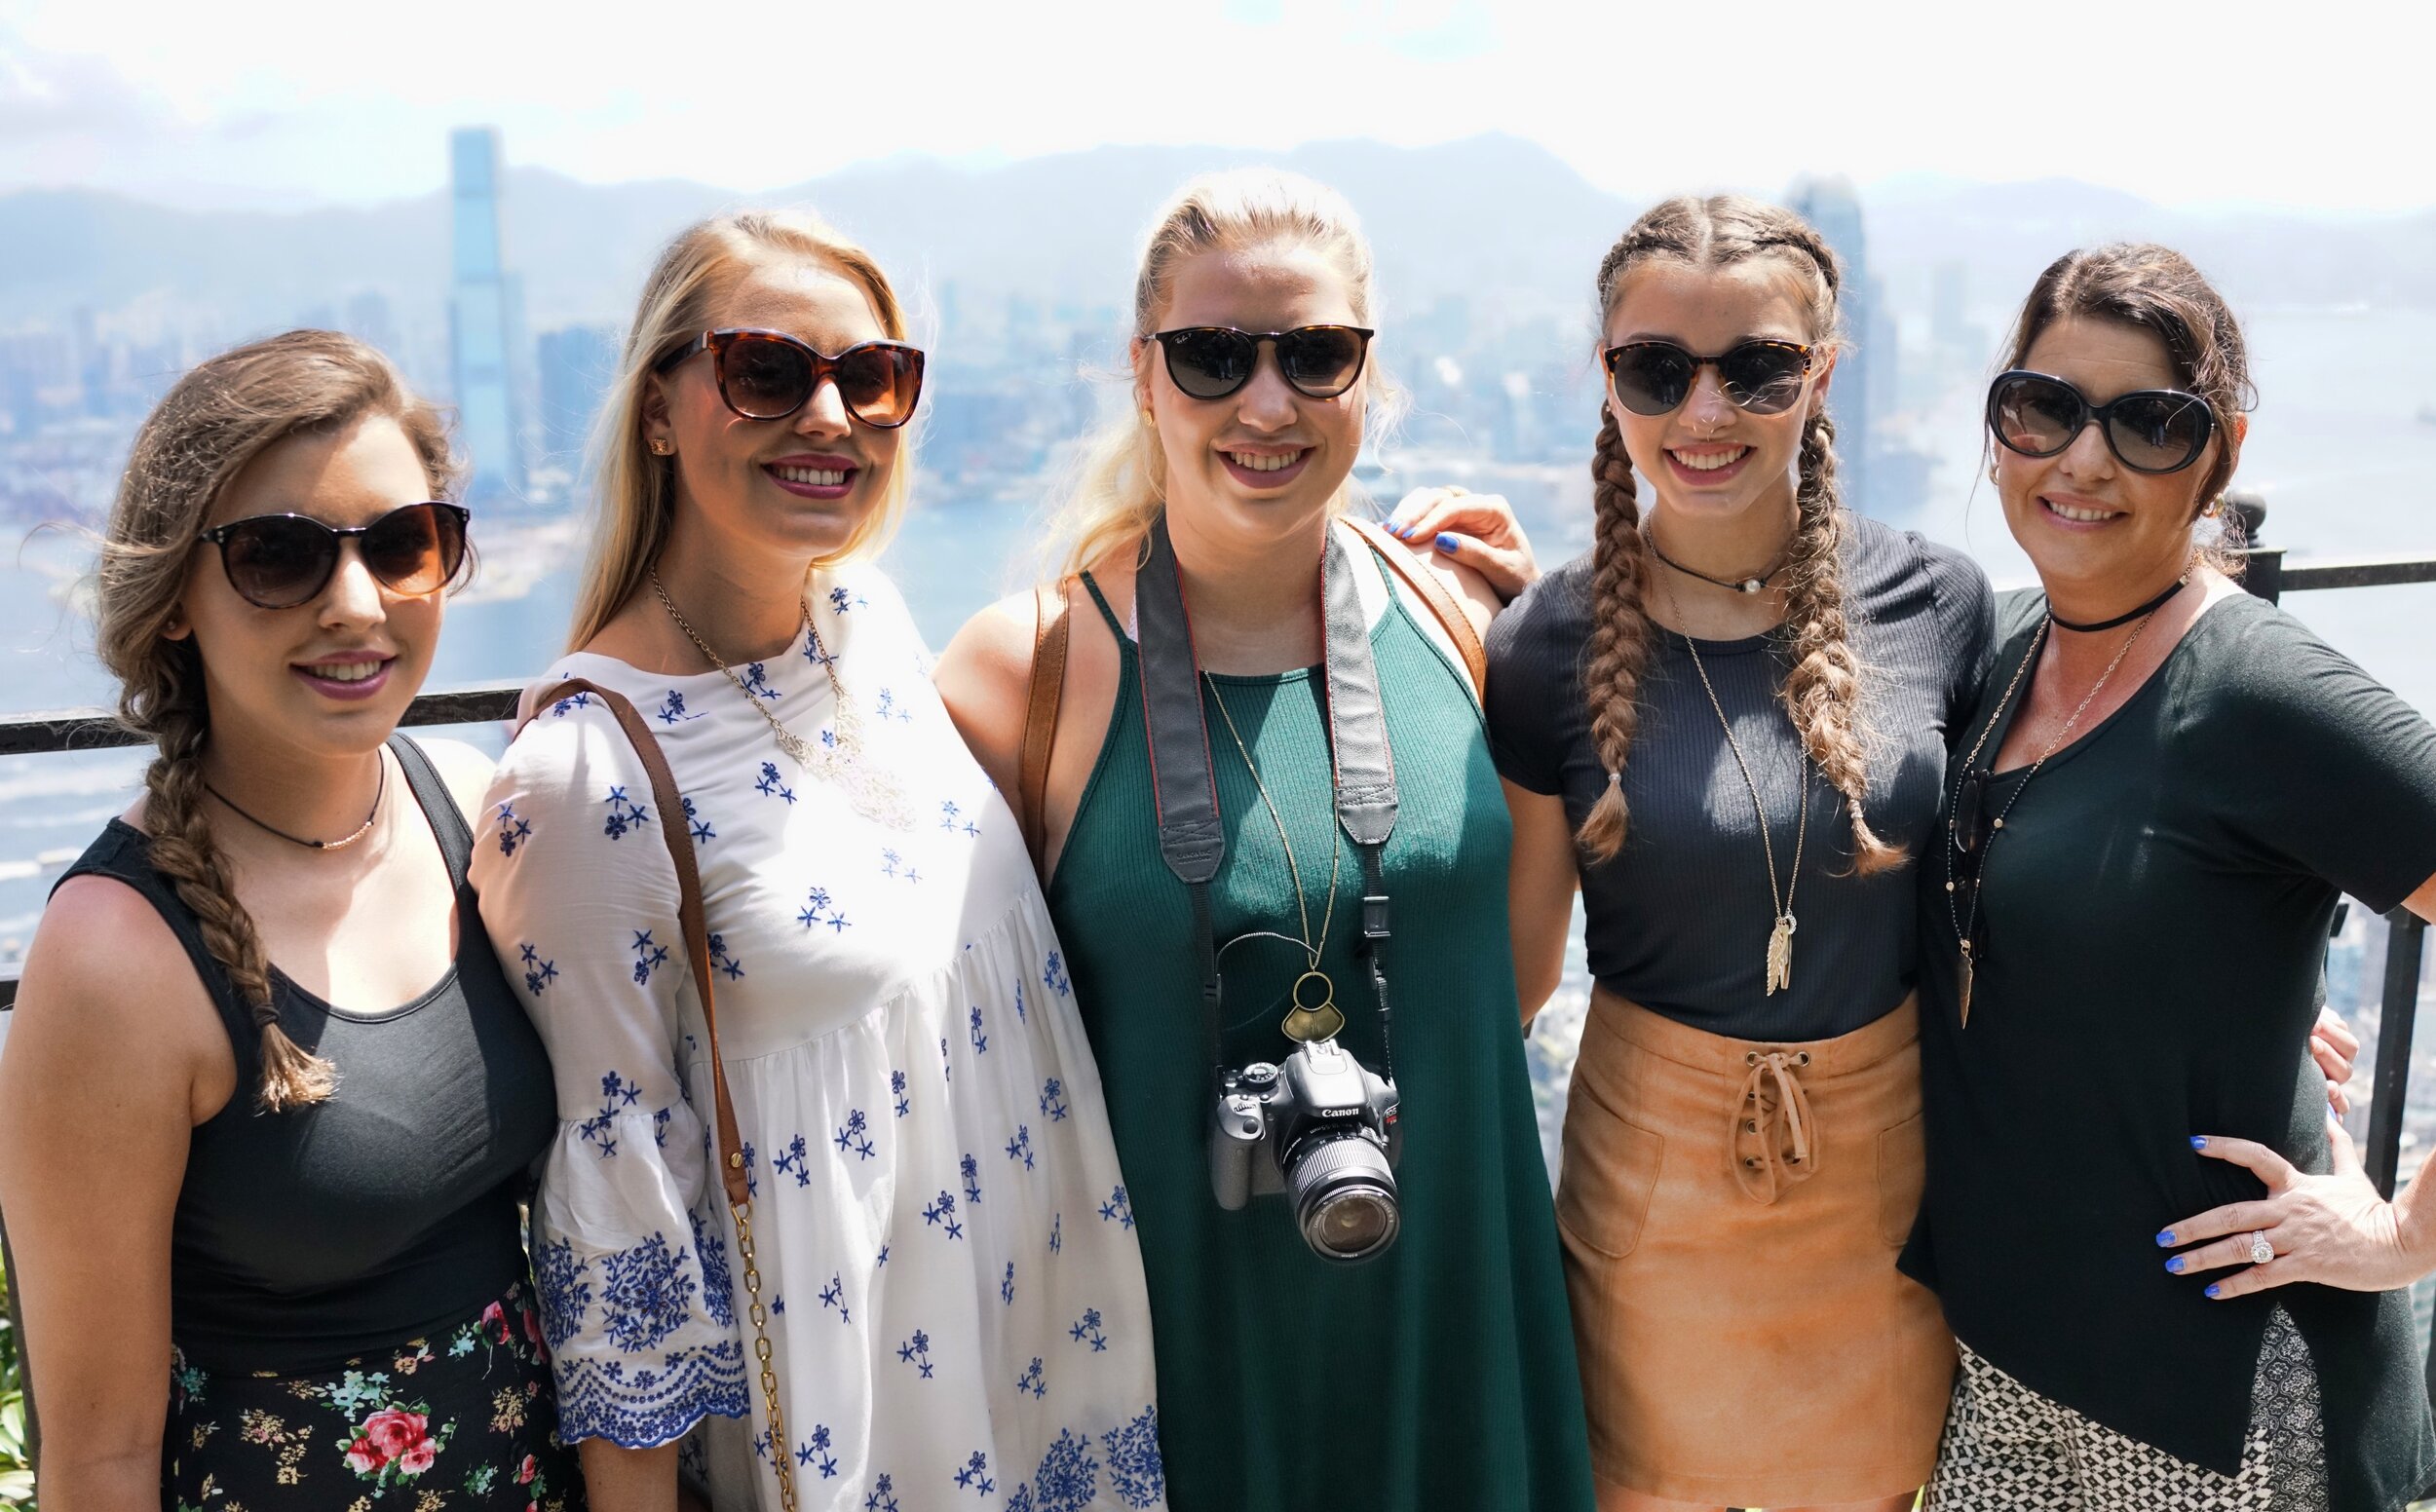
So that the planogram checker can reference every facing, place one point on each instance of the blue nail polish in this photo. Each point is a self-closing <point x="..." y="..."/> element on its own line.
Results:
<point x="2198" y="1142"/>
<point x="2211" y="1289"/>
<point x="1446" y="543"/>
<point x="2166" y="1239"/>
<point x="1396" y="529"/>
<point x="2175" y="1265"/>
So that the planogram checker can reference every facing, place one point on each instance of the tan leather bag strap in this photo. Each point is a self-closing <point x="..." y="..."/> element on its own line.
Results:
<point x="1434" y="594"/>
<point x="688" y="909"/>
<point x="1052" y="629"/>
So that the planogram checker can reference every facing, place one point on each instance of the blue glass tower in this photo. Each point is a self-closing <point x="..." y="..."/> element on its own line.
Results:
<point x="1864" y="376"/>
<point x="480" y="318"/>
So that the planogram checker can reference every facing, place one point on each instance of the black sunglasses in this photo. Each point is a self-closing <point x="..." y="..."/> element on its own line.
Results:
<point x="768" y="375"/>
<point x="1655" y="377"/>
<point x="277" y="561"/>
<point x="2148" y="430"/>
<point x="1212" y="361"/>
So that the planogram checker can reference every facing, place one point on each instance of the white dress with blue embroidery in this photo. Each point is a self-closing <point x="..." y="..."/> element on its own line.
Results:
<point x="945" y="1243"/>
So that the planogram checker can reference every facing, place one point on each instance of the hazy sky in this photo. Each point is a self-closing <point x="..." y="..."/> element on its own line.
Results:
<point x="290" y="101"/>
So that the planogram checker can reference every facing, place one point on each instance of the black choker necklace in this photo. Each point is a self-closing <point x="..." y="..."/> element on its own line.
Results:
<point x="1736" y="585"/>
<point x="2126" y="618"/>
<point x="362" y="830"/>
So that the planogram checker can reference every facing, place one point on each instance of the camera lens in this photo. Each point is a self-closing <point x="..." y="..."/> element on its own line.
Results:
<point x="1343" y="1196"/>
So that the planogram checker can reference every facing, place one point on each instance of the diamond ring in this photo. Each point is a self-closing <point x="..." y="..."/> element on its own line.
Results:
<point x="2261" y="1252"/>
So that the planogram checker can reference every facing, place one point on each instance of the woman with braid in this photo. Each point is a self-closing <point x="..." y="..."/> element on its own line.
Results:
<point x="268" y="1103"/>
<point x="1728" y="724"/>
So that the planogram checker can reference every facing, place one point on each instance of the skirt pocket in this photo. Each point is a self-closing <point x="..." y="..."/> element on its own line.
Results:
<point x="1902" y="1178"/>
<point x="1610" y="1172"/>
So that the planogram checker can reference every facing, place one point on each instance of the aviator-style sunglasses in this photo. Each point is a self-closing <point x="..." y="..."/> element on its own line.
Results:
<point x="1212" y="361"/>
<point x="277" y="561"/>
<point x="1654" y="377"/>
<point x="768" y="375"/>
<point x="2148" y="430"/>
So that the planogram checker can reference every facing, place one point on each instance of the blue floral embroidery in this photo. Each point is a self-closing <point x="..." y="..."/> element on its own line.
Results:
<point x="819" y="909"/>
<point x="757" y="681"/>
<point x="1055" y="977"/>
<point x="559" y="710"/>
<point x="952" y="821"/>
<point x="976" y="1474"/>
<point x="538" y="973"/>
<point x="916" y="1352"/>
<point x="1135" y="1471"/>
<point x="513" y="831"/>
<point x="1117" y="1209"/>
<point x="559" y="1275"/>
<point x="1089" y="1331"/>
<point x="660" y="1126"/>
<point x="770" y="785"/>
<point x="615" y="1093"/>
<point x="637" y="1408"/>
<point x="840" y="600"/>
<point x="972" y="1181"/>
<point x="856" y="1136"/>
<point x="752" y="1172"/>
<point x="882" y="1498"/>
<point x="1019" y="1147"/>
<point x="1021" y="1501"/>
<point x="1033" y="1381"/>
<point x="980" y="1040"/>
<point x="1006" y="1286"/>
<point x="888" y="708"/>
<point x="723" y="962"/>
<point x="894" y="865"/>
<point x="625" y="813"/>
<point x="816" y="1452"/>
<point x="1053" y="1100"/>
<point x="944" y="1211"/>
<point x="1056" y="1232"/>
<point x="671" y="709"/>
<point x="1069" y="1476"/>
<point x="1021" y="1017"/>
<point x="718" y="1290"/>
<point x="833" y="1295"/>
<point x="648" y="957"/>
<point x="883" y="1260"/>
<point x="791" y="1162"/>
<point x="702" y="826"/>
<point x="896" y="1089"/>
<point x="948" y="1068"/>
<point x="761" y="1444"/>
<point x="646" y="1294"/>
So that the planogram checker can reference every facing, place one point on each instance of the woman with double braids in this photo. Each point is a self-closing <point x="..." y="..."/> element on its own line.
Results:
<point x="1728" y="724"/>
<point x="2172" y="1284"/>
<point x="268" y="1103"/>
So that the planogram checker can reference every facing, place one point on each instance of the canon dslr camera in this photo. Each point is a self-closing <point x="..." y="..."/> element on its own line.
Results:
<point x="1322" y="1130"/>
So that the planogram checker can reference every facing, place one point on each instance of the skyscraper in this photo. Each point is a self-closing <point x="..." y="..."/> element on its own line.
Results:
<point x="480" y="320"/>
<point x="1856" y="399"/>
<point x="576" y="362"/>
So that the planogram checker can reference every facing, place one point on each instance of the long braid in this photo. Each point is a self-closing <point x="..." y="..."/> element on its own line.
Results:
<point x="1823" y="692"/>
<point x="1620" y="636"/>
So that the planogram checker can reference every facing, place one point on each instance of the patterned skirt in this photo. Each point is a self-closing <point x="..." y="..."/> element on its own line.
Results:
<point x="2007" y="1449"/>
<point x="464" y="1418"/>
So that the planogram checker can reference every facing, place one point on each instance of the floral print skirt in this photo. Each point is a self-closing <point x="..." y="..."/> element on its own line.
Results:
<point x="464" y="1418"/>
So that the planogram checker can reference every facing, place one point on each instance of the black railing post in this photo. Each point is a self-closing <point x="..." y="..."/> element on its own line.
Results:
<point x="2263" y="569"/>
<point x="2395" y="1021"/>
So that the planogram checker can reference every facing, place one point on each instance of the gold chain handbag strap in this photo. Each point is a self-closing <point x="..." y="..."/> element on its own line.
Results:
<point x="733" y="1179"/>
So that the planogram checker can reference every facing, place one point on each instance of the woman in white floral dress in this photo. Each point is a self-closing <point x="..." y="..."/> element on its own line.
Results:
<point x="945" y="1246"/>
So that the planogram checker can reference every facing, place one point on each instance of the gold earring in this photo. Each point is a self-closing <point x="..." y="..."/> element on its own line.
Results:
<point x="661" y="448"/>
<point x="2216" y="507"/>
<point x="1147" y="418"/>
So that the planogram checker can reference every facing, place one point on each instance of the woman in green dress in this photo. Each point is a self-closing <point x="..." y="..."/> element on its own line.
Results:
<point x="1439" y="1372"/>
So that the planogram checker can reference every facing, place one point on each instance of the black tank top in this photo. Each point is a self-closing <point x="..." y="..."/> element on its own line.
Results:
<point x="308" y="1237"/>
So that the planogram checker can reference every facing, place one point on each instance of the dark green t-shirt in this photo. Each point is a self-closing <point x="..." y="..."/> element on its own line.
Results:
<point x="2153" y="926"/>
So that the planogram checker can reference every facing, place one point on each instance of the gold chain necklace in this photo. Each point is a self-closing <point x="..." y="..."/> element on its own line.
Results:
<point x="1323" y="1019"/>
<point x="1779" y="962"/>
<point x="839" y="759"/>
<point x="1969" y="969"/>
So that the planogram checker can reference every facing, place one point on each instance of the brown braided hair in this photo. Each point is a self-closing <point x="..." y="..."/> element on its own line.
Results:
<point x="216" y="419"/>
<point x="1822" y="690"/>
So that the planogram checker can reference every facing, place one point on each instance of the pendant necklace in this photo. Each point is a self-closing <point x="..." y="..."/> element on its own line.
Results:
<point x="1779" y="962"/>
<point x="1304" y="1022"/>
<point x="340" y="843"/>
<point x="1973" y="782"/>
<point x="839" y="757"/>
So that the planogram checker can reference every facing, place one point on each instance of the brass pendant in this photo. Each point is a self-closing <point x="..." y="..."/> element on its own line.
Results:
<point x="1962" y="983"/>
<point x="1780" y="956"/>
<point x="1316" y="1021"/>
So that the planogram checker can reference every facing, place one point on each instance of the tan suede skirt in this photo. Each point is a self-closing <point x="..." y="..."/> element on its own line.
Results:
<point x="1731" y="1212"/>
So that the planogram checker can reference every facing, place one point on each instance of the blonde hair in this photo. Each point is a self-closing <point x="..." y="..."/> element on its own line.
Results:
<point x="1120" y="481"/>
<point x="635" y="491"/>
<point x="219" y="417"/>
<point x="1822" y="690"/>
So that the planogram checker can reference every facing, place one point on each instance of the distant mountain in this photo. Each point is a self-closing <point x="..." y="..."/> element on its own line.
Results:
<point x="1494" y="218"/>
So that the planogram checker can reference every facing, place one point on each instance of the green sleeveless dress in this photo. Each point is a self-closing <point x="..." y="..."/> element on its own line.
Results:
<point x="1440" y="1375"/>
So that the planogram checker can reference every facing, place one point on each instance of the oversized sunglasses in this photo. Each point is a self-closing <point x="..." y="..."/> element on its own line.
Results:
<point x="277" y="561"/>
<point x="1212" y="361"/>
<point x="768" y="375"/>
<point x="2148" y="430"/>
<point x="1655" y="377"/>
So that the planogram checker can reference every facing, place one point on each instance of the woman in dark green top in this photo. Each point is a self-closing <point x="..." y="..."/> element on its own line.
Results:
<point x="1439" y="1374"/>
<point x="2151" y="814"/>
